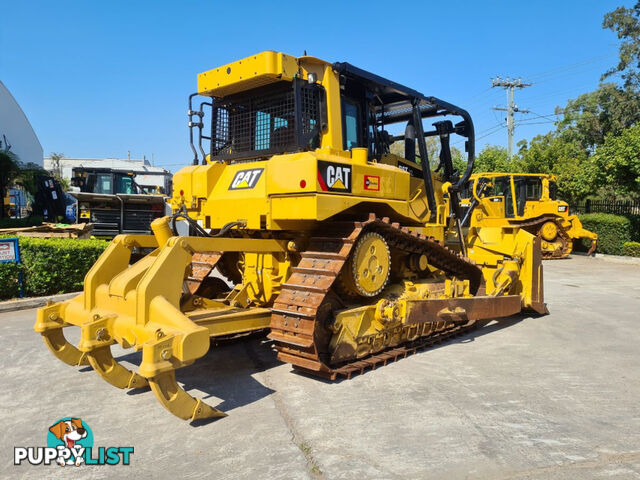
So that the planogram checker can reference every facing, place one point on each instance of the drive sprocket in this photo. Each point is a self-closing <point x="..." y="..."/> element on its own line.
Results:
<point x="368" y="268"/>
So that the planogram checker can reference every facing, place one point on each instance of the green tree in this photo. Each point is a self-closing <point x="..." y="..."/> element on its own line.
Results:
<point x="494" y="159"/>
<point x="56" y="170"/>
<point x="458" y="158"/>
<point x="625" y="22"/>
<point x="28" y="177"/>
<point x="593" y="116"/>
<point x="615" y="167"/>
<point x="561" y="155"/>
<point x="9" y="169"/>
<point x="595" y="148"/>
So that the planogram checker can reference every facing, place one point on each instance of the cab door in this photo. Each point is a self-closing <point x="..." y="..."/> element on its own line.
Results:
<point x="493" y="202"/>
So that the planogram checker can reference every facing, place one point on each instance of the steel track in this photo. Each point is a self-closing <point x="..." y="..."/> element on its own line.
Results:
<point x="567" y="243"/>
<point x="303" y="309"/>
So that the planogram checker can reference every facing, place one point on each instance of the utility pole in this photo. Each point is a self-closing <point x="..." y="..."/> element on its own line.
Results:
<point x="510" y="85"/>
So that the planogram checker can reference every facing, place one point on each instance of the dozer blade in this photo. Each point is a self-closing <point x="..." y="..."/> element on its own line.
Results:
<point x="58" y="345"/>
<point x="177" y="401"/>
<point x="111" y="371"/>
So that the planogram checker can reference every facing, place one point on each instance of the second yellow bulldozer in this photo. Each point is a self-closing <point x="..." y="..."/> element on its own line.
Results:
<point x="327" y="241"/>
<point x="527" y="201"/>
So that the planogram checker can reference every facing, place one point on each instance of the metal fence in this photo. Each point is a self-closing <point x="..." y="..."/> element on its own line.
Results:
<point x="607" y="206"/>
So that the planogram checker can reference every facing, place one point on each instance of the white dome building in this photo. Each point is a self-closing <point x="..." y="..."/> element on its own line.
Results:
<point x="16" y="133"/>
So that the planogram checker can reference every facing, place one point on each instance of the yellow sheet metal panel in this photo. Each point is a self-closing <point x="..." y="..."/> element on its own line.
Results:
<point x="251" y="72"/>
<point x="225" y="244"/>
<point x="322" y="206"/>
<point x="205" y="177"/>
<point x="183" y="186"/>
<point x="220" y="193"/>
<point x="294" y="207"/>
<point x="291" y="173"/>
<point x="380" y="181"/>
<point x="332" y="137"/>
<point x="323" y="170"/>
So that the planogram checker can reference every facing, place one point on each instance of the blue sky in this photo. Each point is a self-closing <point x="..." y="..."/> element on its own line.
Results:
<point x="98" y="79"/>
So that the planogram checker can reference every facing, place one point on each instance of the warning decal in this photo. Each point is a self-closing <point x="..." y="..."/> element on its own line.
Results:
<point x="372" y="182"/>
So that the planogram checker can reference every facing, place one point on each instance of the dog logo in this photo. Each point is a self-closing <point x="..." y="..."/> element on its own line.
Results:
<point x="69" y="432"/>
<point x="334" y="177"/>
<point x="70" y="442"/>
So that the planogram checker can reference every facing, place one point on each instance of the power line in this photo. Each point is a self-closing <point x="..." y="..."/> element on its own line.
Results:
<point x="498" y="125"/>
<point x="536" y="123"/>
<point x="544" y="116"/>
<point x="496" y="130"/>
<point x="563" y="68"/>
<point x="510" y="85"/>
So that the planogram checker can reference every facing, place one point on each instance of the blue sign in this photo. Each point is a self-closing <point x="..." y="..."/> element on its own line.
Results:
<point x="9" y="250"/>
<point x="10" y="253"/>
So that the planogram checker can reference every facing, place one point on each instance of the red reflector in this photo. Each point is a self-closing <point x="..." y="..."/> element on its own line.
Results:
<point x="182" y="193"/>
<point x="303" y="183"/>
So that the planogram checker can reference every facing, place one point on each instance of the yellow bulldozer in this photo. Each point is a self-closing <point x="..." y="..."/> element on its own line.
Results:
<point x="528" y="201"/>
<point x="295" y="220"/>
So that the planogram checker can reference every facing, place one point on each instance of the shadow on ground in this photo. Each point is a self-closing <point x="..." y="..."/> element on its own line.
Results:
<point x="224" y="377"/>
<point x="227" y="371"/>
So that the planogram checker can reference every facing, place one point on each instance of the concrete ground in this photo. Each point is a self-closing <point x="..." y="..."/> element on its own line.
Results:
<point x="528" y="398"/>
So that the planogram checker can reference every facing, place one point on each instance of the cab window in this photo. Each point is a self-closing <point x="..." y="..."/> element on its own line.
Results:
<point x="502" y="187"/>
<point x="104" y="184"/>
<point x="350" y="124"/>
<point x="533" y="189"/>
<point x="124" y="185"/>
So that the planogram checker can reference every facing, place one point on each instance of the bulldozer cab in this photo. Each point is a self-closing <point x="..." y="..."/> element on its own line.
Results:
<point x="525" y="189"/>
<point x="311" y="105"/>
<point x="105" y="181"/>
<point x="373" y="106"/>
<point x="492" y="196"/>
<point x="508" y="196"/>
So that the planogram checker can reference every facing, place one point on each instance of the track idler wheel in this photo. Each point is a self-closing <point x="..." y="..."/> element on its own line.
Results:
<point x="549" y="230"/>
<point x="113" y="372"/>
<point x="177" y="401"/>
<point x="56" y="342"/>
<point x="554" y="241"/>
<point x="367" y="270"/>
